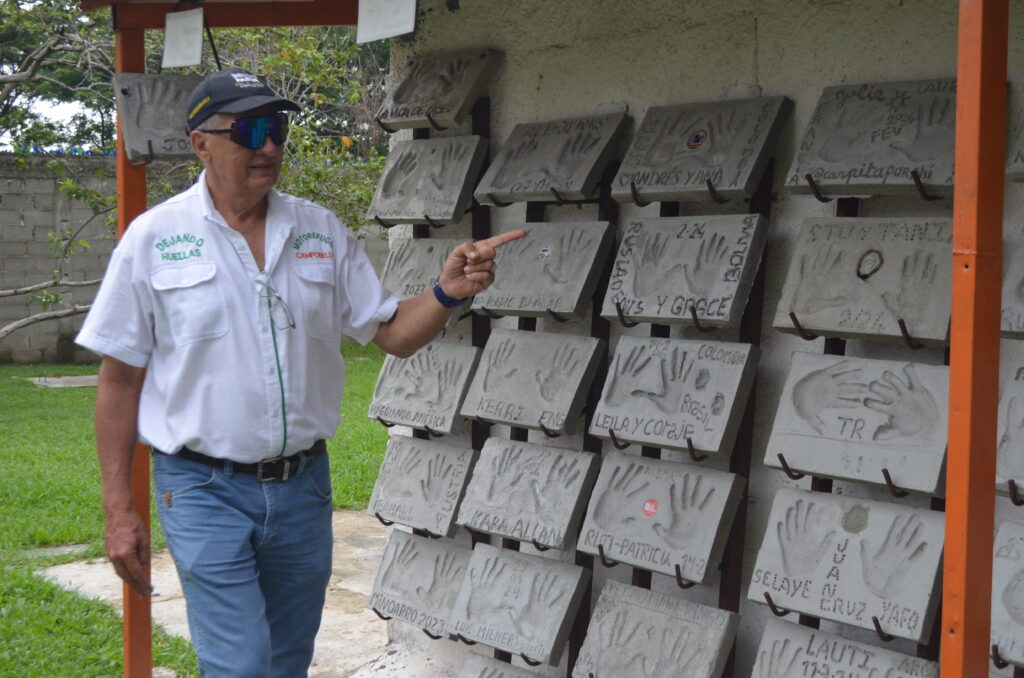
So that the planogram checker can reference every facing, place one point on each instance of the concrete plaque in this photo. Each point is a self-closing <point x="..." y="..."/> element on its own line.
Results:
<point x="478" y="666"/>
<point x="860" y="277"/>
<point x="666" y="266"/>
<point x="519" y="603"/>
<point x="851" y="418"/>
<point x="421" y="483"/>
<point x="674" y="392"/>
<point x="870" y="139"/>
<point x="428" y="180"/>
<point x="418" y="580"/>
<point x="540" y="159"/>
<point x="442" y="85"/>
<point x="1010" y="431"/>
<point x="153" y="114"/>
<point x="636" y="633"/>
<point x="528" y="492"/>
<point x="852" y="560"/>
<point x="1015" y="158"/>
<point x="789" y="650"/>
<point x="677" y="150"/>
<point x="1013" y="289"/>
<point x="414" y="263"/>
<point x="425" y="391"/>
<point x="660" y="515"/>
<point x="1008" y="592"/>
<point x="534" y="379"/>
<point x="554" y="268"/>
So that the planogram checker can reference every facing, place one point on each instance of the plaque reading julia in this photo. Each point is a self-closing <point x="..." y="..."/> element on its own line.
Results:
<point x="1007" y="631"/>
<point x="679" y="151"/>
<point x="414" y="263"/>
<point x="153" y="114"/>
<point x="879" y="138"/>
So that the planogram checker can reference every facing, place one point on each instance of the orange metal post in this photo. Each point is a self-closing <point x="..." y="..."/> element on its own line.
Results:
<point x="974" y="336"/>
<point x="131" y="202"/>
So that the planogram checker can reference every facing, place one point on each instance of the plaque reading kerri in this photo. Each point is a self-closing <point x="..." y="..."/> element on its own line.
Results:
<point x="153" y="114"/>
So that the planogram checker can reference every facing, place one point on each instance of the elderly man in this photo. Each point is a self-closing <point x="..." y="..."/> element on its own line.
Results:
<point x="219" y="321"/>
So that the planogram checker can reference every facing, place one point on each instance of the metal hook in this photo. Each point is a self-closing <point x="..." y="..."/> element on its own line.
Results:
<point x="490" y="314"/>
<point x="693" y="453"/>
<point x="385" y="523"/>
<point x="431" y="222"/>
<point x="556" y="317"/>
<point x="622" y="318"/>
<point x="380" y="222"/>
<point x="148" y="158"/>
<point x="384" y="127"/>
<point x="561" y="200"/>
<point x="714" y="194"/>
<point x="604" y="561"/>
<point x="893" y="490"/>
<point x="385" y="424"/>
<point x="432" y="433"/>
<point x="804" y="334"/>
<point x="790" y="473"/>
<point x="777" y="611"/>
<point x="540" y="547"/>
<point x="431" y="635"/>
<point x="878" y="629"/>
<point x="433" y="123"/>
<point x="530" y="662"/>
<point x="462" y="317"/>
<point x="1011" y="488"/>
<point x="464" y="639"/>
<point x="907" y="339"/>
<point x="380" y="614"/>
<point x="682" y="583"/>
<point x="997" y="659"/>
<point x="496" y="202"/>
<point x="696" y="320"/>
<point x="636" y="196"/>
<point x="815" y="190"/>
<point x="548" y="433"/>
<point x="921" y="190"/>
<point x="621" y="446"/>
<point x="432" y="535"/>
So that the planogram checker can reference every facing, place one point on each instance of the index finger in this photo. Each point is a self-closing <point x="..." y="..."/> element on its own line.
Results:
<point x="501" y="239"/>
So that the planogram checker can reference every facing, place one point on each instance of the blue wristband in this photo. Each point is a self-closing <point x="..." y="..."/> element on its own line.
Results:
<point x="444" y="299"/>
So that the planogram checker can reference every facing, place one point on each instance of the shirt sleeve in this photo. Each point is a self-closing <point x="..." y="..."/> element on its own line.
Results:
<point x="365" y="301"/>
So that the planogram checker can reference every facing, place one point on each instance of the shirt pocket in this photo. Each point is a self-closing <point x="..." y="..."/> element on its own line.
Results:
<point x="320" y="316"/>
<point x="190" y="302"/>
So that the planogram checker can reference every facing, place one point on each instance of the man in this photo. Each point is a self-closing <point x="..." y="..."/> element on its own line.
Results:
<point x="219" y="321"/>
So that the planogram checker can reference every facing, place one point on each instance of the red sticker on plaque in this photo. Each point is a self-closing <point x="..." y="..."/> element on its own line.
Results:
<point x="651" y="507"/>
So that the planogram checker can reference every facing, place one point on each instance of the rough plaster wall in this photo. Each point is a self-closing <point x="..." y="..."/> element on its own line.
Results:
<point x="565" y="59"/>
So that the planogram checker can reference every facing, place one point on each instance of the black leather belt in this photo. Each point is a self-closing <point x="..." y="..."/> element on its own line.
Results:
<point x="277" y="468"/>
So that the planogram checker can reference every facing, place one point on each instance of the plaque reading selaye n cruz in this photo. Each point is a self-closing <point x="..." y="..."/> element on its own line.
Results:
<point x="661" y="516"/>
<point x="874" y="138"/>
<point x="679" y="150"/>
<point x="1007" y="631"/>
<point x="414" y="263"/>
<point x="676" y="393"/>
<point x="554" y="269"/>
<point x="637" y="632"/>
<point x="425" y="390"/>
<point x="668" y="270"/>
<point x="852" y="560"/>
<point x="421" y="483"/>
<point x="860" y="278"/>
<point x="855" y="418"/>
<point x="153" y="114"/>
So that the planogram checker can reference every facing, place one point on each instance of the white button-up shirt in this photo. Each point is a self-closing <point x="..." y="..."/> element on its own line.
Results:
<point x="242" y="364"/>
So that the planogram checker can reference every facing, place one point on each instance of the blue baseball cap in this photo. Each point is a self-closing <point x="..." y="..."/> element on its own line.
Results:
<point x="232" y="90"/>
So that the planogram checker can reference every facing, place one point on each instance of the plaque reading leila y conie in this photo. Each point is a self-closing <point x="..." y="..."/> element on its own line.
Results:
<point x="545" y="161"/>
<point x="636" y="632"/>
<point x="425" y="391"/>
<point x="861" y="277"/>
<point x="414" y="263"/>
<point x="528" y="492"/>
<point x="1007" y="631"/>
<point x="669" y="269"/>
<point x="554" y="269"/>
<point x="1010" y="431"/>
<point x="418" y="580"/>
<point x="852" y="561"/>
<point x="789" y="650"/>
<point x="519" y="603"/>
<point x="479" y="666"/>
<point x="442" y="87"/>
<point x="428" y="180"/>
<point x="660" y="515"/>
<point x="678" y="150"/>
<point x="853" y="418"/>
<point x="874" y="138"/>
<point x="153" y="114"/>
<point x="534" y="379"/>
<point x="421" y="483"/>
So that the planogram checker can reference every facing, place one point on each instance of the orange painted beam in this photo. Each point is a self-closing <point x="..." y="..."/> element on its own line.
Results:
<point x="974" y="336"/>
<point x="129" y="57"/>
<point x="242" y="14"/>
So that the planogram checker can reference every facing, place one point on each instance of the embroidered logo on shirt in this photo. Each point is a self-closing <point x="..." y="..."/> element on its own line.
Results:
<point x="312" y="238"/>
<point x="180" y="247"/>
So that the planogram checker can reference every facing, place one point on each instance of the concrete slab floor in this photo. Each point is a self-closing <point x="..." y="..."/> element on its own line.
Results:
<point x="64" y="382"/>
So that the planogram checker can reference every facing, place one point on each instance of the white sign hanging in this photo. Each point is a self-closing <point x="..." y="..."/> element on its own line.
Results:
<point x="183" y="39"/>
<point x="379" y="19"/>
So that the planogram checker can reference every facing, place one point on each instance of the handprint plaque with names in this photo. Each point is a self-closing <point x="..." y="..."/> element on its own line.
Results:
<point x="152" y="114"/>
<point x="421" y="483"/>
<point x="850" y="560"/>
<point x="426" y="390"/>
<point x="414" y="263"/>
<point x="678" y="149"/>
<point x="858" y="278"/>
<point x="428" y="180"/>
<point x="636" y="633"/>
<point x="1007" y="631"/>
<point x="660" y="515"/>
<point x="528" y="492"/>
<point x="849" y="418"/>
<point x="540" y="159"/>
<point x="672" y="393"/>
<point x="667" y="266"/>
<point x="518" y="603"/>
<point x="441" y="85"/>
<point x="554" y="268"/>
<point x="479" y="666"/>
<point x="788" y="650"/>
<point x="533" y="379"/>
<point x="871" y="139"/>
<point x="418" y="580"/>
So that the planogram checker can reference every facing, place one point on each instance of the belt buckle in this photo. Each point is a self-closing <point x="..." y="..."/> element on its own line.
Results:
<point x="265" y="462"/>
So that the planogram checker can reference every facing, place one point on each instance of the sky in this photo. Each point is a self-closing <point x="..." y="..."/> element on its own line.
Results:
<point x="58" y="112"/>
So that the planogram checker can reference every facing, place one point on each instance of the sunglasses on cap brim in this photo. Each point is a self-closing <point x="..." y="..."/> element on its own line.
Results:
<point x="252" y="132"/>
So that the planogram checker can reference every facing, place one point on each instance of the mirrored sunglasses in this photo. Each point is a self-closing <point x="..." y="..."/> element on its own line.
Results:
<point x="252" y="132"/>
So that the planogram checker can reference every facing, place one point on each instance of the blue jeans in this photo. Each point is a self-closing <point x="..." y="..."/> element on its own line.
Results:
<point x="253" y="559"/>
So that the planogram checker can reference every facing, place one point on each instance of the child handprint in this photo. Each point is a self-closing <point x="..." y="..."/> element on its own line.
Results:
<point x="552" y="380"/>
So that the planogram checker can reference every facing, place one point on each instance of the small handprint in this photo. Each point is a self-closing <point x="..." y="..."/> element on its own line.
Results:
<point x="518" y="162"/>
<point x="413" y="375"/>
<point x="724" y="132"/>
<point x="400" y="178"/>
<point x="933" y="132"/>
<point x="675" y="370"/>
<point x="396" y="578"/>
<point x="680" y="648"/>
<point x="506" y="476"/>
<point x="1010" y="453"/>
<point x="160" y="110"/>
<point x="846" y="141"/>
<point x="804" y="538"/>
<point x="397" y="263"/>
<point x="910" y="406"/>
<point x="648" y="272"/>
<point x="707" y="268"/>
<point x="561" y="267"/>
<point x="623" y="487"/>
<point x="560" y="477"/>
<point x="447" y="382"/>
<point x="779" y="661"/>
<point x="832" y="387"/>
<point x="432" y="487"/>
<point x="414" y="76"/>
<point x="499" y="366"/>
<point x="616" y="654"/>
<point x="404" y="463"/>
<point x="446" y="569"/>
<point x="917" y="277"/>
<point x="667" y="142"/>
<point x="625" y="373"/>
<point x="1013" y="598"/>
<point x="446" y="172"/>
<point x="533" y="617"/>
<point x="552" y="380"/>
<point x="688" y="499"/>
<point x="886" y="570"/>
<point x="483" y="584"/>
<point x="512" y="252"/>
<point x="821" y="284"/>
<point x="389" y="373"/>
<point x="571" y="156"/>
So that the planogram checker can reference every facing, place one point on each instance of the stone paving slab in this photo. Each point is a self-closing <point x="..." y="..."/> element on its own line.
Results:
<point x="153" y="114"/>
<point x="1007" y="631"/>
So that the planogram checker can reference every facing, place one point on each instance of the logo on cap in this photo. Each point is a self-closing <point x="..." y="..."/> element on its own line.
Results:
<point x="246" y="80"/>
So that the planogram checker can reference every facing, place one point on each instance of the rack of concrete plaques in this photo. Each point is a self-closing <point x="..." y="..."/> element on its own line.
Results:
<point x="576" y="482"/>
